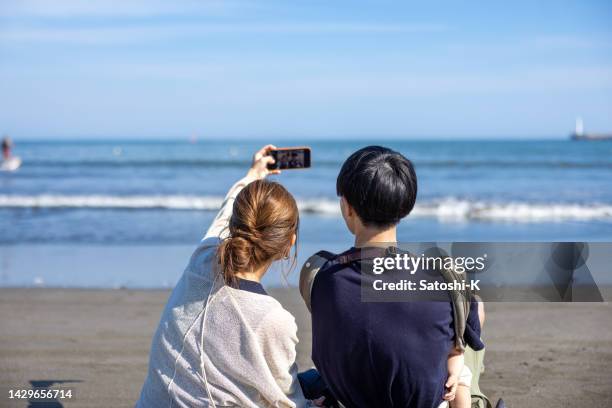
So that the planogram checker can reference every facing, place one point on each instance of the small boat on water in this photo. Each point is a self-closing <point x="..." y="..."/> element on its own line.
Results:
<point x="579" y="133"/>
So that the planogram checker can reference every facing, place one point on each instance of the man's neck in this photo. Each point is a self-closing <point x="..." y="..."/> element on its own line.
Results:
<point x="375" y="237"/>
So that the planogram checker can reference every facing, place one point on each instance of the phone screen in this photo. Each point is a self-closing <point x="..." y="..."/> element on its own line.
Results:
<point x="288" y="158"/>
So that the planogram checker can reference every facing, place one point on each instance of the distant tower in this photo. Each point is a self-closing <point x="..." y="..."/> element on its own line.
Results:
<point x="580" y="135"/>
<point x="579" y="127"/>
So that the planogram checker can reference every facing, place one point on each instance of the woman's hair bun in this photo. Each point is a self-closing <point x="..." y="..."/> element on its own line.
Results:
<point x="264" y="219"/>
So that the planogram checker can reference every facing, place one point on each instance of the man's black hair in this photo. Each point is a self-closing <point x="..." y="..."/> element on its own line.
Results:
<point x="380" y="184"/>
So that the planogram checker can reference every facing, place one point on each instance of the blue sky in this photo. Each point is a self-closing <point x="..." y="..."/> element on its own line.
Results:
<point x="239" y="69"/>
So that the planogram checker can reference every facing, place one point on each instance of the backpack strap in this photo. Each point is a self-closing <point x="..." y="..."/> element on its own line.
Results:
<point x="309" y="272"/>
<point x="315" y="263"/>
<point x="460" y="300"/>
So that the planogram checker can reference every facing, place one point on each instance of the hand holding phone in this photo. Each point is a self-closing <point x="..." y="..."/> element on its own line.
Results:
<point x="261" y="159"/>
<point x="290" y="158"/>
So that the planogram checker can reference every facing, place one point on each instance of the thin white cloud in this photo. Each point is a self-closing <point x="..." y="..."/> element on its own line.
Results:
<point x="542" y="80"/>
<point x="313" y="78"/>
<point x="109" y="8"/>
<point x="143" y="33"/>
<point x="520" y="45"/>
<point x="564" y="41"/>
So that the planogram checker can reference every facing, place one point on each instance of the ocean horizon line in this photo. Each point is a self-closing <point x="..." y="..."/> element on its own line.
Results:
<point x="288" y="139"/>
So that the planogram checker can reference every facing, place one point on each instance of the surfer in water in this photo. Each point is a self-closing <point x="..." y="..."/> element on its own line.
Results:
<point x="7" y="144"/>
<point x="8" y="161"/>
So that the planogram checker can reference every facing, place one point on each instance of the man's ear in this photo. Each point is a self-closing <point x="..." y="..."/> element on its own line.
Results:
<point x="346" y="207"/>
<point x="349" y="214"/>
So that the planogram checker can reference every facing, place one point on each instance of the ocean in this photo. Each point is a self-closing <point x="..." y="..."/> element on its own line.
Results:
<point x="129" y="213"/>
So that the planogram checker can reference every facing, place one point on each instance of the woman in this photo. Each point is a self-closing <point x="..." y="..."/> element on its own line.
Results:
<point x="222" y="341"/>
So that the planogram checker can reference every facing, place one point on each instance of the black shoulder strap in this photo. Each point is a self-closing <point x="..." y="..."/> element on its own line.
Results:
<point x="326" y="259"/>
<point x="327" y="255"/>
<point x="309" y="272"/>
<point x="362" y="254"/>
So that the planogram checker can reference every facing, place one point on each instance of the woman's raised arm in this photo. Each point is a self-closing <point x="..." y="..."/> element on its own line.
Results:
<point x="259" y="170"/>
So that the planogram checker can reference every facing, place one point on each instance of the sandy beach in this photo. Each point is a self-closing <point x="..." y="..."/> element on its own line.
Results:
<point x="96" y="343"/>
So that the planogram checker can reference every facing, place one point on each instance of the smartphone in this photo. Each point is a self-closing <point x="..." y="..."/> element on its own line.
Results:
<point x="287" y="158"/>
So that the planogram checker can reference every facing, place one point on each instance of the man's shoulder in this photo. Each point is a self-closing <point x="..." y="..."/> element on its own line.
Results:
<point x="319" y="262"/>
<point x="328" y="257"/>
<point x="323" y="254"/>
<point x="323" y="261"/>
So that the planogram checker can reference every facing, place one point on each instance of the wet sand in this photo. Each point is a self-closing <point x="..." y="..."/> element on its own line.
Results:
<point x="96" y="342"/>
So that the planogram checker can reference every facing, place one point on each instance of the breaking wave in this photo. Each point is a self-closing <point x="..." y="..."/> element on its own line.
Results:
<point x="446" y="209"/>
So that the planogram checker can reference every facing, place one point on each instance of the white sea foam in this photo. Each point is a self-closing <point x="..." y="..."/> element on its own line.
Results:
<point x="455" y="209"/>
<point x="177" y="202"/>
<point x="447" y="209"/>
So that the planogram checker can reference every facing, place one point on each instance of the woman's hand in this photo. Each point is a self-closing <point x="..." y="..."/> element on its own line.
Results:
<point x="261" y="159"/>
<point x="451" y="387"/>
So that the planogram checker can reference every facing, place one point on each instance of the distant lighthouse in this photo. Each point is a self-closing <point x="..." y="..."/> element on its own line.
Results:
<point x="580" y="135"/>
<point x="579" y="127"/>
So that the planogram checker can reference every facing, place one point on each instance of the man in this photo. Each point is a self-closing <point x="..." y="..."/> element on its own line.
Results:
<point x="378" y="354"/>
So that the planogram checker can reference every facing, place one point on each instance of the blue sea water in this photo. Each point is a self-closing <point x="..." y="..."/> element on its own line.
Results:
<point x="118" y="213"/>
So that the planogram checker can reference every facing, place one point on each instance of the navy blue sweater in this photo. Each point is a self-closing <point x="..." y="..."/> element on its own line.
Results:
<point x="379" y="354"/>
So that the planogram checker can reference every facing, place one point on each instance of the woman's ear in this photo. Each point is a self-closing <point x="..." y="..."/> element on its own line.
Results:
<point x="293" y="241"/>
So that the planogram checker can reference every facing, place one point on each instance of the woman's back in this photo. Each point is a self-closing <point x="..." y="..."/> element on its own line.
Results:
<point x="225" y="337"/>
<point x="222" y="341"/>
